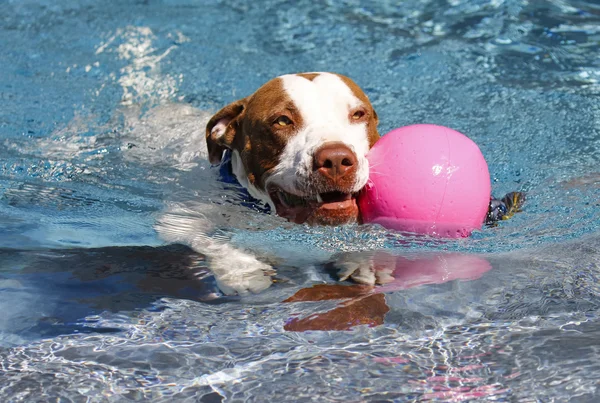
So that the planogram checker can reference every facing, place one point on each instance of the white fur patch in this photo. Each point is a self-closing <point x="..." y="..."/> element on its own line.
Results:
<point x="324" y="104"/>
<point x="237" y="167"/>
<point x="236" y="271"/>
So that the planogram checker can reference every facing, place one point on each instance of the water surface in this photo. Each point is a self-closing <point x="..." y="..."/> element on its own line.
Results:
<point x="101" y="105"/>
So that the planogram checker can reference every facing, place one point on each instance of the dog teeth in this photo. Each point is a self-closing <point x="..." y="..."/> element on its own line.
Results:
<point x="319" y="198"/>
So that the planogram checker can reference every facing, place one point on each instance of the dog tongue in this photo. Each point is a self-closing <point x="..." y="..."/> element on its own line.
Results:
<point x="336" y="205"/>
<point x="335" y="213"/>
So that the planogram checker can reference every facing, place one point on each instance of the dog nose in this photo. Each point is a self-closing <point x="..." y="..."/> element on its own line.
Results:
<point x="334" y="160"/>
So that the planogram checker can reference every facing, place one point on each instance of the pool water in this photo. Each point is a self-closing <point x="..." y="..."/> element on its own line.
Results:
<point x="101" y="104"/>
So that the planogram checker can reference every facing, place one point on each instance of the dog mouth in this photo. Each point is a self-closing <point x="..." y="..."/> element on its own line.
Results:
<point x="326" y="208"/>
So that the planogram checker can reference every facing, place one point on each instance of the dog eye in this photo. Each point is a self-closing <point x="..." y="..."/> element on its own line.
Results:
<point x="357" y="115"/>
<point x="283" y="121"/>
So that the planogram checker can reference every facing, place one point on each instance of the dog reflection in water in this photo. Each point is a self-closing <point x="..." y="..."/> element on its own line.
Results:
<point x="366" y="305"/>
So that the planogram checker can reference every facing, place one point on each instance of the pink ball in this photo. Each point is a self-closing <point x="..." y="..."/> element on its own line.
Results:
<point x="426" y="179"/>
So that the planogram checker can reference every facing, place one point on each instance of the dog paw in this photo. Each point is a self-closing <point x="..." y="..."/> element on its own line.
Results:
<point x="364" y="268"/>
<point x="241" y="274"/>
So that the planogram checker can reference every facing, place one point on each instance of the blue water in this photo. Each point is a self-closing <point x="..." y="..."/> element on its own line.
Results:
<point x="101" y="103"/>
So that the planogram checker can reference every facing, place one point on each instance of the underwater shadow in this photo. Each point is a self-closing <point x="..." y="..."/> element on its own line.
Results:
<point x="44" y="293"/>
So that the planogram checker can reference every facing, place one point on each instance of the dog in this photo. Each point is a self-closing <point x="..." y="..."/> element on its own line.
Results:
<point x="298" y="144"/>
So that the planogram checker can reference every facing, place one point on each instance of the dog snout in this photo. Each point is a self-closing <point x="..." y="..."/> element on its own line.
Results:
<point x="335" y="161"/>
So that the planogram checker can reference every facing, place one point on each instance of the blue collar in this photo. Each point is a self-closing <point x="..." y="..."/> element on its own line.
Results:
<point x="227" y="177"/>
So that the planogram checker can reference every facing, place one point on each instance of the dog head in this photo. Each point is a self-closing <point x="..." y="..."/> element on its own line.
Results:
<point x="299" y="143"/>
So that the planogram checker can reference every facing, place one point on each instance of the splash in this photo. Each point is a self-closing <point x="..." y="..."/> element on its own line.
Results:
<point x="141" y="78"/>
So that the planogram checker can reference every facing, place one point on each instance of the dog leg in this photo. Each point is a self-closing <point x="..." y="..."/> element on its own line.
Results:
<point x="236" y="271"/>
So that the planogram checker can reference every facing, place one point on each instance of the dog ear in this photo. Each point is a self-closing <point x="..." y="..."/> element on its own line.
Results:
<point x="221" y="130"/>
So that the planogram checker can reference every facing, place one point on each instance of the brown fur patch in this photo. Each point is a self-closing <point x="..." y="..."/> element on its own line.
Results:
<point x="308" y="76"/>
<point x="360" y="308"/>
<point x="326" y="292"/>
<point x="260" y="140"/>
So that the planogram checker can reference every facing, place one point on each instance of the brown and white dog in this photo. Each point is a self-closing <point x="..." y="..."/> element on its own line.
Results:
<point x="298" y="144"/>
